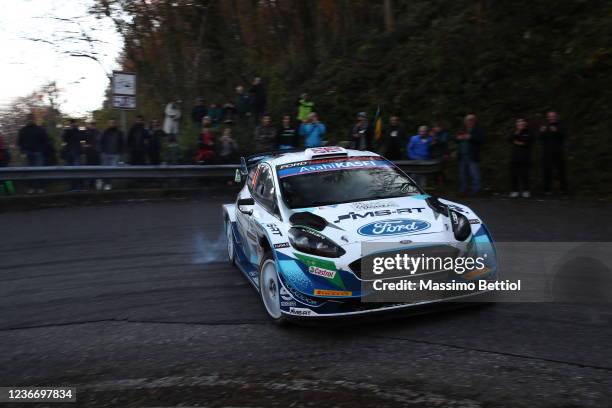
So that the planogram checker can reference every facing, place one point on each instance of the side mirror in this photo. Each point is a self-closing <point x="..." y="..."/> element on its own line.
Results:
<point x="237" y="176"/>
<point x="245" y="201"/>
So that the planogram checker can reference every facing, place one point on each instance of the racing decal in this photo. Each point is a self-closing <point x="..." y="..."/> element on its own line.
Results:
<point x="456" y="208"/>
<point x="274" y="230"/>
<point x="379" y="213"/>
<point x="326" y="273"/>
<point x="325" y="292"/>
<point x="301" y="311"/>
<point x="326" y="150"/>
<point x="393" y="227"/>
<point x="474" y="221"/>
<point x="335" y="164"/>
<point x="322" y="267"/>
<point x="281" y="245"/>
<point x="369" y="205"/>
<point x="284" y="294"/>
<point x="322" y="161"/>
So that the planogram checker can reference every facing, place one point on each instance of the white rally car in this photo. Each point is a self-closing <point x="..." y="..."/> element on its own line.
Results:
<point x="298" y="225"/>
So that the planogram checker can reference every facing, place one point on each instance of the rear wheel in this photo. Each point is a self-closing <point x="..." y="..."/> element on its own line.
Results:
<point x="230" y="242"/>
<point x="269" y="288"/>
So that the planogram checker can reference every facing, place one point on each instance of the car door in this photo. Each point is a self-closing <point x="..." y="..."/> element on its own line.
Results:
<point x="261" y="188"/>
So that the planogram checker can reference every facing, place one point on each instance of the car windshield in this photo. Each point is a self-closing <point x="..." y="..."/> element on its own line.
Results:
<point x="318" y="183"/>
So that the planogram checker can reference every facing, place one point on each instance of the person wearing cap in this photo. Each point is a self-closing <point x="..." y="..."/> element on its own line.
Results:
<point x="360" y="134"/>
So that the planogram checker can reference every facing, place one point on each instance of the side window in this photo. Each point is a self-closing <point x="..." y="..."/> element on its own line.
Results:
<point x="264" y="188"/>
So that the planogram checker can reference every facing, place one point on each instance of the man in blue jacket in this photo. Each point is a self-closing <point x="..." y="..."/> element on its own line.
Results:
<point x="312" y="131"/>
<point x="418" y="146"/>
<point x="418" y="149"/>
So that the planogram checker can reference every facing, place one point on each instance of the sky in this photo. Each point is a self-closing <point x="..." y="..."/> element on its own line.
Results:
<point x="25" y="65"/>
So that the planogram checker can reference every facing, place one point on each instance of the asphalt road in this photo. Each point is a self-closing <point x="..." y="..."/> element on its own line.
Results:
<point x="134" y="304"/>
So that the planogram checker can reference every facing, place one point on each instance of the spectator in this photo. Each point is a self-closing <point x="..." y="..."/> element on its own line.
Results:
<point x="92" y="144"/>
<point x="419" y="144"/>
<point x="287" y="135"/>
<point x="32" y="141"/>
<point x="394" y="139"/>
<point x="228" y="148"/>
<point x="111" y="147"/>
<point x="154" y="143"/>
<point x="92" y="150"/>
<point x="72" y="138"/>
<point x="439" y="151"/>
<point x="520" y="162"/>
<point x="71" y="151"/>
<point x="360" y="135"/>
<point x="137" y="142"/>
<point x="198" y="112"/>
<point x="469" y="141"/>
<point x="5" y="154"/>
<point x="172" y="119"/>
<point x="312" y="131"/>
<point x="552" y="138"/>
<point x="206" y="143"/>
<point x="305" y="106"/>
<point x="243" y="103"/>
<point x="418" y="149"/>
<point x="215" y="112"/>
<point x="265" y="135"/>
<point x="230" y="113"/>
<point x="258" y="98"/>
<point x="6" y="186"/>
<point x="173" y="150"/>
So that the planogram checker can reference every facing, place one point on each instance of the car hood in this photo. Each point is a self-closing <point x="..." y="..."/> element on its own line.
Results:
<point x="392" y="219"/>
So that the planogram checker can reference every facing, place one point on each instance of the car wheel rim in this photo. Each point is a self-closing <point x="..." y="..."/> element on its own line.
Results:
<point x="230" y="242"/>
<point x="269" y="288"/>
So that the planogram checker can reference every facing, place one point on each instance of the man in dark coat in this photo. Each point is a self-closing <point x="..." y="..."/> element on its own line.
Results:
<point x="552" y="137"/>
<point x="520" y="161"/>
<point x="137" y="141"/>
<point x="469" y="141"/>
<point x="394" y="139"/>
<point x="259" y="98"/>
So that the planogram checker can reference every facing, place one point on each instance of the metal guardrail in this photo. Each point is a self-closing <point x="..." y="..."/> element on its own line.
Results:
<point x="163" y="171"/>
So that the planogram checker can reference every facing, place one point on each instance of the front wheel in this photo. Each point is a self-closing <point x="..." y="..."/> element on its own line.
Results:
<point x="269" y="288"/>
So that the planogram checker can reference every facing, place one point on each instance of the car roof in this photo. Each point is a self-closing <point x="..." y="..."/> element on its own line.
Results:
<point x="307" y="154"/>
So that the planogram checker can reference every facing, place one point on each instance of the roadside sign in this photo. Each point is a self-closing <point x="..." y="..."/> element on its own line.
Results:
<point x="124" y="83"/>
<point x="124" y="102"/>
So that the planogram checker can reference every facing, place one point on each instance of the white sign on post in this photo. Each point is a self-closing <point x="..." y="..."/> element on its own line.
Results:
<point x="124" y="83"/>
<point x="124" y="90"/>
<point x="124" y="102"/>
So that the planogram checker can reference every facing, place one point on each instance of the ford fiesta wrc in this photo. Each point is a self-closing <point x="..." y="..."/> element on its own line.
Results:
<point x="300" y="223"/>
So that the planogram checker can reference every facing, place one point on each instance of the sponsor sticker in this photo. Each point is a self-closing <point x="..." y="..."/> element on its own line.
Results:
<point x="281" y="245"/>
<point x="301" y="311"/>
<point x="352" y="163"/>
<point x="274" y="230"/>
<point x="393" y="227"/>
<point x="326" y="273"/>
<point x="474" y="221"/>
<point x="326" y="292"/>
<point x="379" y="213"/>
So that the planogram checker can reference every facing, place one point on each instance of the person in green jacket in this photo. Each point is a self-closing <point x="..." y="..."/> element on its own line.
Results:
<point x="305" y="106"/>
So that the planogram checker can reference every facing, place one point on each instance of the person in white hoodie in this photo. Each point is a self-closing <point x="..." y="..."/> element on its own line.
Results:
<point x="172" y="119"/>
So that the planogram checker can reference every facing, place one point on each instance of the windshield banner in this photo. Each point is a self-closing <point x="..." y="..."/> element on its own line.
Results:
<point x="318" y="166"/>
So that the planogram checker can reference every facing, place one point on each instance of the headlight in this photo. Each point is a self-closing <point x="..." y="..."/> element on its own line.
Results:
<point x="311" y="242"/>
<point x="461" y="225"/>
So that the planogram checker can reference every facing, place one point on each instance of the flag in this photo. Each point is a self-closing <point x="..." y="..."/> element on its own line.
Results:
<point x="378" y="124"/>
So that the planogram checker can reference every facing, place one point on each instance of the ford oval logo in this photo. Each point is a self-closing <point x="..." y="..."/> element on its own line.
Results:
<point x="393" y="227"/>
